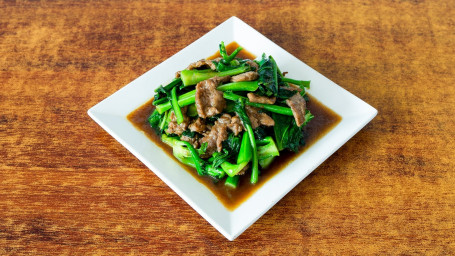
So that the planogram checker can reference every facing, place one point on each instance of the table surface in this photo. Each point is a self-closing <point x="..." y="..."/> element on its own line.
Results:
<point x="66" y="186"/>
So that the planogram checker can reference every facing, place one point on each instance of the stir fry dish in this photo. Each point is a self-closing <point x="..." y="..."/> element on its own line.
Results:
<point x="231" y="116"/>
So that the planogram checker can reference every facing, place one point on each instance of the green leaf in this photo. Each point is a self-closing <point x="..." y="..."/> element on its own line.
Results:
<point x="287" y="133"/>
<point x="268" y="76"/>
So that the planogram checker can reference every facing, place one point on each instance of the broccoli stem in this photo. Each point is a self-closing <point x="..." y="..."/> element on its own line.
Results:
<point x="160" y="101"/>
<point x="232" y="169"/>
<point x="175" y="106"/>
<point x="166" y="89"/>
<point x="272" y="108"/>
<point x="250" y="86"/>
<point x="163" y="120"/>
<point x="183" y="100"/>
<point x="232" y="181"/>
<point x="239" y="108"/>
<point x="228" y="58"/>
<point x="305" y="84"/>
<point x="255" y="167"/>
<point x="196" y="159"/>
<point x="223" y="51"/>
<point x="194" y="76"/>
<point x="172" y="84"/>
<point x="245" y="152"/>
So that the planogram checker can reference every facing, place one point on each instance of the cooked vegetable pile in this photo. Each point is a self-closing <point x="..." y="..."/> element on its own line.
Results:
<point x="230" y="116"/>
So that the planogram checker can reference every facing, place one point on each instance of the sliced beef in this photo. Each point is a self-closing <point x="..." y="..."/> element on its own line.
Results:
<point x="214" y="139"/>
<point x="216" y="134"/>
<point x="252" y="64"/>
<point x="298" y="106"/>
<point x="202" y="63"/>
<point x="233" y="123"/>
<point x="210" y="101"/>
<point x="258" y="118"/>
<point x="260" y="99"/>
<point x="178" y="74"/>
<point x="193" y="141"/>
<point x="174" y="127"/>
<point x="247" y="76"/>
<point x="197" y="125"/>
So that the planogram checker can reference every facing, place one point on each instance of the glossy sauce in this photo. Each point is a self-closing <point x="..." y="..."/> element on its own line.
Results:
<point x="325" y="119"/>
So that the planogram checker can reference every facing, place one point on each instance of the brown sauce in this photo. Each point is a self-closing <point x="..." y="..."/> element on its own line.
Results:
<point x="325" y="119"/>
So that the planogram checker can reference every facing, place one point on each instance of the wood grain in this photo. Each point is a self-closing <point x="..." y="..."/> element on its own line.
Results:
<point x="67" y="187"/>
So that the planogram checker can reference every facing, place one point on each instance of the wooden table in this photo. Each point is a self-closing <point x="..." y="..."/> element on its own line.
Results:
<point x="67" y="187"/>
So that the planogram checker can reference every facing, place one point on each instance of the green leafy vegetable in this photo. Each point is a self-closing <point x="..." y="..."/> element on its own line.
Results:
<point x="155" y="119"/>
<point x="268" y="148"/>
<point x="268" y="77"/>
<point x="287" y="134"/>
<point x="162" y="94"/>
<point x="246" y="151"/>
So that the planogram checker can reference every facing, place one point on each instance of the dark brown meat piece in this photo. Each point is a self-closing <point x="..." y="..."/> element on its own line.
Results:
<point x="233" y="123"/>
<point x="192" y="141"/>
<point x="247" y="76"/>
<point x="260" y="99"/>
<point x="214" y="139"/>
<point x="197" y="125"/>
<point x="258" y="118"/>
<point x="210" y="101"/>
<point x="252" y="64"/>
<point x="175" y="128"/>
<point x="216" y="134"/>
<point x="202" y="63"/>
<point x="298" y="106"/>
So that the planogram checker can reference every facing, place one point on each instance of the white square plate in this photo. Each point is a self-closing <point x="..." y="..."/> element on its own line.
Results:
<point x="111" y="114"/>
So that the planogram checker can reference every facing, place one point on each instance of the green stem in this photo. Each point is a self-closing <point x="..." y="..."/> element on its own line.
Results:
<point x="232" y="181"/>
<point x="163" y="120"/>
<point x="160" y="101"/>
<point x="223" y="52"/>
<point x="305" y="84"/>
<point x="272" y="108"/>
<point x="175" y="106"/>
<point x="245" y="152"/>
<point x="196" y="159"/>
<point x="183" y="100"/>
<point x="255" y="167"/>
<point x="250" y="86"/>
<point x="172" y="84"/>
<point x="232" y="169"/>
